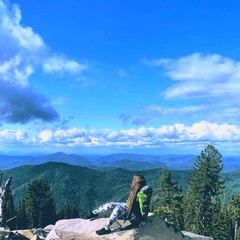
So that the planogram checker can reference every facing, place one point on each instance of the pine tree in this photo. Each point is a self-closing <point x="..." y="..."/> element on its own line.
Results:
<point x="221" y="226"/>
<point x="178" y="198"/>
<point x="189" y="210"/>
<point x="40" y="208"/>
<point x="205" y="185"/>
<point x="164" y="196"/>
<point x="22" y="221"/>
<point x="234" y="209"/>
<point x="170" y="198"/>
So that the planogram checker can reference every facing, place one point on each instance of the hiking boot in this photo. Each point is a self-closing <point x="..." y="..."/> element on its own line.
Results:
<point x="92" y="216"/>
<point x="134" y="223"/>
<point x="103" y="231"/>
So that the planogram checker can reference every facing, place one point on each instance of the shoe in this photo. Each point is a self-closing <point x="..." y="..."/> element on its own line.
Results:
<point x="92" y="215"/>
<point x="134" y="223"/>
<point x="103" y="231"/>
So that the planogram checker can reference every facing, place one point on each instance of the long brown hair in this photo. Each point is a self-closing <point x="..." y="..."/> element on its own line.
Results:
<point x="137" y="183"/>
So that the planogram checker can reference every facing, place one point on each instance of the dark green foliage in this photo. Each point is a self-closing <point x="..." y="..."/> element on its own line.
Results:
<point x="22" y="221"/>
<point x="190" y="220"/>
<point x="67" y="212"/>
<point x="76" y="186"/>
<point x="169" y="197"/>
<point x="81" y="187"/>
<point x="205" y="185"/>
<point x="234" y="212"/>
<point x="221" y="224"/>
<point x="39" y="204"/>
<point x="178" y="206"/>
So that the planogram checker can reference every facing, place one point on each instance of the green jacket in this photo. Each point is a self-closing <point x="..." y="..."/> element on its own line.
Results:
<point x="141" y="204"/>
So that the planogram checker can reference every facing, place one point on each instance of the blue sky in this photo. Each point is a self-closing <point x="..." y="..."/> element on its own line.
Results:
<point x="101" y="77"/>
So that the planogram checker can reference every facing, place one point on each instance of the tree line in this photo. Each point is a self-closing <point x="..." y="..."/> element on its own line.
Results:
<point x="37" y="208"/>
<point x="203" y="209"/>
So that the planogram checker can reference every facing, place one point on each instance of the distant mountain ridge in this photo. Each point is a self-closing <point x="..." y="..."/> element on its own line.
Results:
<point x="120" y="160"/>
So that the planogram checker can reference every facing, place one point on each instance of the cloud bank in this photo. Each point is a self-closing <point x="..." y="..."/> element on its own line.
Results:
<point x="177" y="135"/>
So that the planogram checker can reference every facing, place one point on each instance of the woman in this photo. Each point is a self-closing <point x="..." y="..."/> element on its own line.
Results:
<point x="135" y="209"/>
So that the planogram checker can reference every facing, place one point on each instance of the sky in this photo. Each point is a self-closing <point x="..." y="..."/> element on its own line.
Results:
<point x="103" y="77"/>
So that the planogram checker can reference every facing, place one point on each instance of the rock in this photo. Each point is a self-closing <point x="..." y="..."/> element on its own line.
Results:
<point x="4" y="233"/>
<point x="27" y="233"/>
<point x="16" y="236"/>
<point x="32" y="234"/>
<point x="196" y="236"/>
<point x="41" y="233"/>
<point x="81" y="229"/>
<point x="49" y="227"/>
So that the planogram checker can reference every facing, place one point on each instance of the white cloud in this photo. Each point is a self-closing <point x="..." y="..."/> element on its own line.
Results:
<point x="22" y="42"/>
<point x="15" y="72"/>
<point x="20" y="47"/>
<point x="11" y="29"/>
<point x="198" y="134"/>
<point x="24" y="35"/>
<point x="45" y="136"/>
<point x="23" y="51"/>
<point x="200" y="76"/>
<point x="7" y="135"/>
<point x="22" y="135"/>
<point x="61" y="65"/>
<point x="208" y="85"/>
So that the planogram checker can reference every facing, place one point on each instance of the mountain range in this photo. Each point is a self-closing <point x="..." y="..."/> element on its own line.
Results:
<point x="121" y="160"/>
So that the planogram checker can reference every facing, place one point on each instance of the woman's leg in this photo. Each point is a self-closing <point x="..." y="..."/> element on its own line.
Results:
<point x="119" y="208"/>
<point x="107" y="207"/>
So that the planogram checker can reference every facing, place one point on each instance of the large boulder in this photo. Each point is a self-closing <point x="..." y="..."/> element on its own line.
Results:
<point x="81" y="229"/>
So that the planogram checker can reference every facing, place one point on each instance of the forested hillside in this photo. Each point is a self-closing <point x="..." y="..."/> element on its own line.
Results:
<point x="82" y="187"/>
<point x="85" y="188"/>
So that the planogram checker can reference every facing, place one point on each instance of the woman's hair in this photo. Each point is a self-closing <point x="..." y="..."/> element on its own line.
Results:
<point x="137" y="183"/>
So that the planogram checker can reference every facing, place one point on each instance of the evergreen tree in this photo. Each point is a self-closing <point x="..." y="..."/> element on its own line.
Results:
<point x="234" y="209"/>
<point x="205" y="185"/>
<point x="221" y="226"/>
<point x="178" y="198"/>
<point x="40" y="208"/>
<point x="189" y="211"/>
<point x="22" y="221"/>
<point x="169" y="197"/>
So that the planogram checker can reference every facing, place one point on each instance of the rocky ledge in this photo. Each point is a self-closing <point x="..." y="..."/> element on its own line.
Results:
<point x="81" y="229"/>
<point x="155" y="229"/>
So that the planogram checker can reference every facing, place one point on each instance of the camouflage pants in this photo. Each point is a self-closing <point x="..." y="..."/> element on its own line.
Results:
<point x="118" y="209"/>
